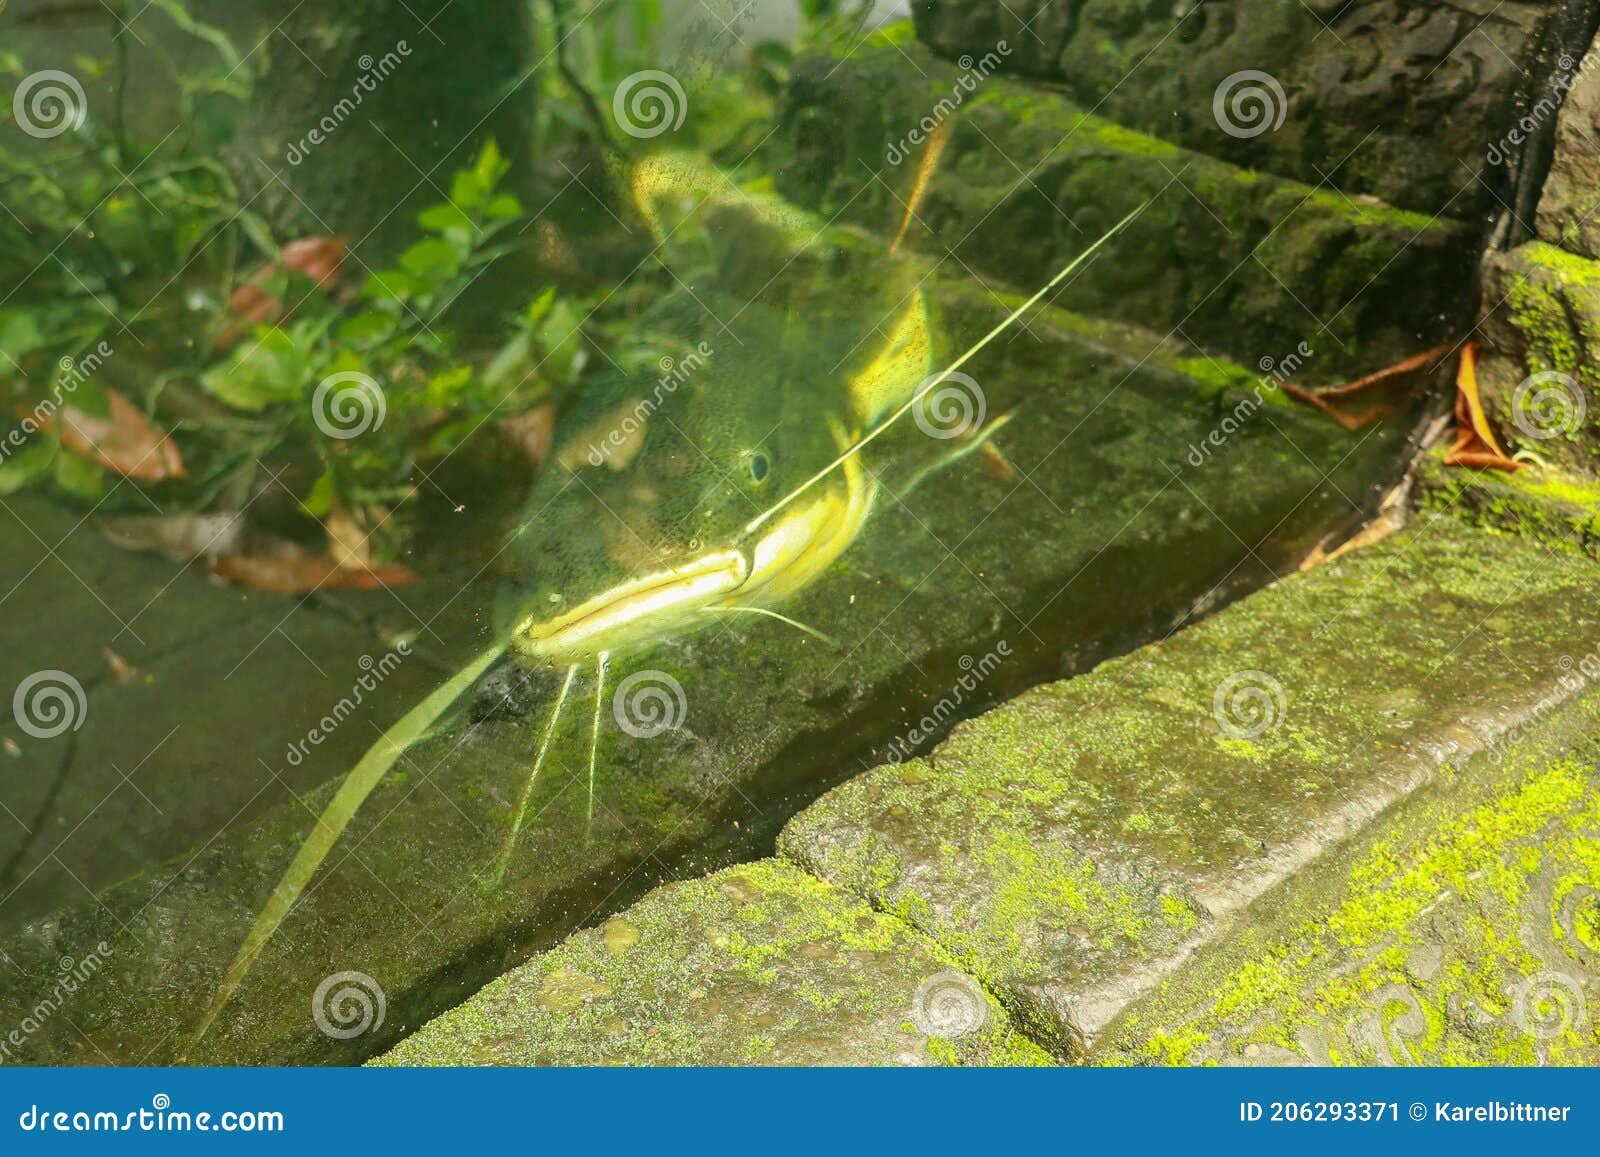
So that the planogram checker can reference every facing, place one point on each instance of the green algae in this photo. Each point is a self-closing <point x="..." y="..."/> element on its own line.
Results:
<point x="759" y="964"/>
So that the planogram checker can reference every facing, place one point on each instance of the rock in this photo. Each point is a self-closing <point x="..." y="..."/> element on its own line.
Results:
<point x="1464" y="929"/>
<point x="1540" y="374"/>
<point x="756" y="965"/>
<point x="1571" y="192"/>
<point x="1074" y="847"/>
<point x="1236" y="261"/>
<point x="1558" y="510"/>
<point x="1399" y="101"/>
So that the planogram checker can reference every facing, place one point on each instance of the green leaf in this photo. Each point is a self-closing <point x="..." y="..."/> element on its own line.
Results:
<point x="465" y="189"/>
<point x="80" y="477"/>
<point x="21" y="467"/>
<point x="366" y="330"/>
<point x="392" y="285"/>
<point x="319" y="500"/>
<point x="490" y="166"/>
<point x="445" y="388"/>
<point x="503" y="207"/>
<point x="432" y="260"/>
<point x="270" y="368"/>
<point x="19" y="334"/>
<point x="444" y="218"/>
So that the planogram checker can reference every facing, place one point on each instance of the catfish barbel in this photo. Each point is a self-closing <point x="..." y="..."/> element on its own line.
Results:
<point x="657" y="517"/>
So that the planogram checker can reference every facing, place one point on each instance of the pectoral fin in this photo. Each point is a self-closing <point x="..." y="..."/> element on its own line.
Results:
<point x="900" y="366"/>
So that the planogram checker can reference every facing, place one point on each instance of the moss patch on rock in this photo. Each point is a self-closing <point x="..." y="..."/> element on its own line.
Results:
<point x="1465" y="929"/>
<point x="1074" y="846"/>
<point x="1552" y="507"/>
<point x="756" y="965"/>
<point x="1246" y="264"/>
<point x="1540" y="374"/>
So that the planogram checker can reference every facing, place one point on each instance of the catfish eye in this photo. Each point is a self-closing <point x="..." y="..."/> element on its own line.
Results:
<point x="759" y="466"/>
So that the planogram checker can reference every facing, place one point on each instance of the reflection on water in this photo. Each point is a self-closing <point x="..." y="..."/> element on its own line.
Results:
<point x="766" y="549"/>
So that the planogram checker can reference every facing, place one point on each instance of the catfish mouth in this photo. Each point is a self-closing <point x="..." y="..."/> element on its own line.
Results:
<point x="636" y="610"/>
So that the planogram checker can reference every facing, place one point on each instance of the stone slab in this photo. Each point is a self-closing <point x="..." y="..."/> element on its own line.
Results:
<point x="1077" y="845"/>
<point x="1237" y="261"/>
<point x="1401" y="101"/>
<point x="756" y="965"/>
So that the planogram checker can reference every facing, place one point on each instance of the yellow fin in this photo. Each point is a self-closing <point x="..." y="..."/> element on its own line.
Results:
<point x="905" y="360"/>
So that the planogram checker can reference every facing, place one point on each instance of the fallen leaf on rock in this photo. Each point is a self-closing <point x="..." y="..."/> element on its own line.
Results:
<point x="1475" y="443"/>
<point x="294" y="571"/>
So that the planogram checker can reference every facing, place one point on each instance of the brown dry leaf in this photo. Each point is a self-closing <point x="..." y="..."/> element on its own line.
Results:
<point x="319" y="258"/>
<point x="1385" y="392"/>
<point x="1475" y="443"/>
<point x="123" y="441"/>
<point x="294" y="571"/>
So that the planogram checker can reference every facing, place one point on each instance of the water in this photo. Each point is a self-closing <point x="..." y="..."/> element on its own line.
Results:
<point x="1017" y="525"/>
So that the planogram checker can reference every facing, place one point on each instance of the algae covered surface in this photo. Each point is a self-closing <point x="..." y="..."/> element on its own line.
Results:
<point x="1076" y="845"/>
<point x="758" y="964"/>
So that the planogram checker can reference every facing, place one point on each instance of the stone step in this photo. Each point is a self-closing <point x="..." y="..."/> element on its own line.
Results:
<point x="1463" y="929"/>
<point x="1559" y="510"/>
<point x="1401" y="101"/>
<point x="755" y="965"/>
<point x="1074" y="847"/>
<point x="1349" y="819"/>
<point x="1234" y="260"/>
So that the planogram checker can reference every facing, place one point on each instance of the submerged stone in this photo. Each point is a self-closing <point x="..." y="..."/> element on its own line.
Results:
<point x="1264" y="269"/>
<point x="757" y="965"/>
<point x="1075" y="846"/>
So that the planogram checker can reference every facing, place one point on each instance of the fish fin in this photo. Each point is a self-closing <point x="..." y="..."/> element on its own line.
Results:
<point x="976" y="348"/>
<point x="510" y="843"/>
<point x="341" y="809"/>
<point x="971" y="444"/>
<point x="906" y="358"/>
<point x="919" y="188"/>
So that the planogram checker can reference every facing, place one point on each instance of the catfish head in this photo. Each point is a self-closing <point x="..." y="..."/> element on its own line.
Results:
<point x="648" y="522"/>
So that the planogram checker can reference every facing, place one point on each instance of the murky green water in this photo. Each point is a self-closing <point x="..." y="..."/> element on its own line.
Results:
<point x="772" y="542"/>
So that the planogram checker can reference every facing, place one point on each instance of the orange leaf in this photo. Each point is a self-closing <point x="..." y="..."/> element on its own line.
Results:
<point x="296" y="571"/>
<point x="1475" y="444"/>
<point x="123" y="441"/>
<point x="319" y="258"/>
